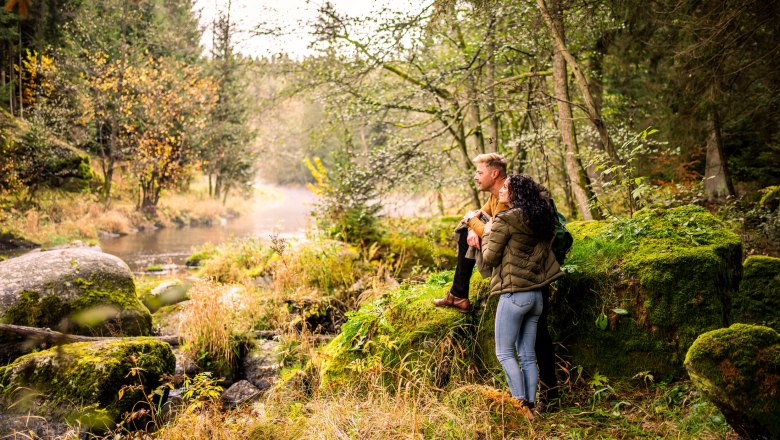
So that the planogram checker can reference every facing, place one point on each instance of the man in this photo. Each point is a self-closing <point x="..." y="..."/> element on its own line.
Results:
<point x="489" y="177"/>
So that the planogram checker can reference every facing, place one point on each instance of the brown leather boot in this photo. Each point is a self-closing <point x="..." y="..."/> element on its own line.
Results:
<point x="460" y="304"/>
<point x="527" y="410"/>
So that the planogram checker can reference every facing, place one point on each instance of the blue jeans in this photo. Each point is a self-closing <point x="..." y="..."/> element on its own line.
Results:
<point x="516" y="319"/>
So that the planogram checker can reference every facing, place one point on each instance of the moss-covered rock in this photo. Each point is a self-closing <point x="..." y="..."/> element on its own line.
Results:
<point x="738" y="369"/>
<point x="108" y="377"/>
<point x="758" y="299"/>
<point x="639" y="291"/>
<point x="166" y="293"/>
<point x="77" y="290"/>
<point x="402" y="334"/>
<point x="416" y="242"/>
<point x="771" y="198"/>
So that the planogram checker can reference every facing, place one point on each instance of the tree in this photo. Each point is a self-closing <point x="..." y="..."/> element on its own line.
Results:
<point x="580" y="184"/>
<point x="226" y="153"/>
<point x="169" y="104"/>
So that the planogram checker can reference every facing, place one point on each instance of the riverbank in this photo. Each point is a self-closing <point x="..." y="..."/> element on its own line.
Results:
<point x="58" y="217"/>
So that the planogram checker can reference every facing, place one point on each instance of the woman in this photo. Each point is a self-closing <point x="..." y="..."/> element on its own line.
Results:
<point x="518" y="250"/>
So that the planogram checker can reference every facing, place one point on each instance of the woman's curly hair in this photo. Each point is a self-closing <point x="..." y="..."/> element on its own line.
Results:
<point x="526" y="194"/>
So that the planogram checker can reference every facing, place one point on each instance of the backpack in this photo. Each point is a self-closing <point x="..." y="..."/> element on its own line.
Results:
<point x="562" y="238"/>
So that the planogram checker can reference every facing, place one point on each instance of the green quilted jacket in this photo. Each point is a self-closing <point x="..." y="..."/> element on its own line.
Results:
<point x="520" y="259"/>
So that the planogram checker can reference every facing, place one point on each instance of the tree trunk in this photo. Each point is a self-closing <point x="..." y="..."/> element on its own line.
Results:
<point x="224" y="197"/>
<point x="717" y="180"/>
<point x="53" y="337"/>
<point x="113" y="142"/>
<point x="580" y="185"/>
<point x="21" y="75"/>
<point x="554" y="21"/>
<point x="490" y="105"/>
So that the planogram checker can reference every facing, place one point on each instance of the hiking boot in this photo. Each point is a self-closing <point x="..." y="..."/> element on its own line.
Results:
<point x="527" y="408"/>
<point x="460" y="304"/>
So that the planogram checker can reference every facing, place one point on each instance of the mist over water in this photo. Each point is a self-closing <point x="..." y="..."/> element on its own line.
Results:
<point x="286" y="215"/>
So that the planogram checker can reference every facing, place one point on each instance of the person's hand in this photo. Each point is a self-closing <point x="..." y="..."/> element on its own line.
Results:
<point x="470" y="215"/>
<point x="473" y="239"/>
<point x="488" y="227"/>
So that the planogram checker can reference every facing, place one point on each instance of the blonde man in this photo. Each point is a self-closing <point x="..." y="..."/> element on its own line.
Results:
<point x="489" y="177"/>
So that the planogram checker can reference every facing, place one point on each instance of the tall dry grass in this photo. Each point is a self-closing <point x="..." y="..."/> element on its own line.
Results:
<point x="216" y="317"/>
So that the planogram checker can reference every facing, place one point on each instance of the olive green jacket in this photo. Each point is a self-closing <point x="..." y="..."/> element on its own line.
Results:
<point x="521" y="260"/>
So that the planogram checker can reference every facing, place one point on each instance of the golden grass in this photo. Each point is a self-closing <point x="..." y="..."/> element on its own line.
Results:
<point x="208" y="423"/>
<point x="111" y="220"/>
<point x="216" y="315"/>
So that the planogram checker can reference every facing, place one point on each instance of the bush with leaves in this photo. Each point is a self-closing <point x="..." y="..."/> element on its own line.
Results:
<point x="347" y="209"/>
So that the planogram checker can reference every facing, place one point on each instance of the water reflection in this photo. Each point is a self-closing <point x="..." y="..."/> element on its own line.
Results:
<point x="287" y="215"/>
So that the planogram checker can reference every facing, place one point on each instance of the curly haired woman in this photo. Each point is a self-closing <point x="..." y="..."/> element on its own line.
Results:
<point x="518" y="250"/>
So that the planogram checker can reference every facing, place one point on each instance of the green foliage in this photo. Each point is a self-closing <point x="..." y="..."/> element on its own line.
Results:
<point x="425" y="244"/>
<point x="200" y="390"/>
<point x="345" y="210"/>
<point x="36" y="159"/>
<point x="234" y="261"/>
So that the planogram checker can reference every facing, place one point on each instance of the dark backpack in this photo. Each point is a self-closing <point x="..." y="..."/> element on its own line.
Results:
<point x="562" y="238"/>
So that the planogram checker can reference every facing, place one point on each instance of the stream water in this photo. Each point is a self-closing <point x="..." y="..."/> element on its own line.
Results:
<point x="286" y="215"/>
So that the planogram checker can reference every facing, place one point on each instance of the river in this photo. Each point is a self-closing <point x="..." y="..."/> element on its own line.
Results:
<point x="286" y="215"/>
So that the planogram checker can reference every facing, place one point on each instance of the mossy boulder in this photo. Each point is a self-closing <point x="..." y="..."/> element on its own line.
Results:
<point x="164" y="294"/>
<point x="639" y="291"/>
<point x="758" y="299"/>
<point x="402" y="334"/>
<point x="77" y="290"/>
<point x="738" y="369"/>
<point x="107" y="377"/>
<point x="417" y="242"/>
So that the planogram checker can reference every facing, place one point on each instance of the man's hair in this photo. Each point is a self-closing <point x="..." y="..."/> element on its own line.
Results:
<point x="494" y="161"/>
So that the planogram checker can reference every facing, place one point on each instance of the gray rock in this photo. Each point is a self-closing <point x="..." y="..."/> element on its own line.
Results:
<point x="261" y="366"/>
<point x="20" y="426"/>
<point x="165" y="294"/>
<point x="240" y="392"/>
<point x="75" y="290"/>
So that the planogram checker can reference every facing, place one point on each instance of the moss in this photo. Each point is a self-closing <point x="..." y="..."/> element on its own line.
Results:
<point x="198" y="258"/>
<point x="420" y="242"/>
<point x="659" y="279"/>
<point x="738" y="369"/>
<point x="100" y="296"/>
<point x="758" y="299"/>
<point x="771" y="197"/>
<point x="404" y="334"/>
<point x="33" y="311"/>
<point x="89" y="374"/>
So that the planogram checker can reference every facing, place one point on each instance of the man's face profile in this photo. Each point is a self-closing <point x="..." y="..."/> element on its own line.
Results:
<point x="484" y="177"/>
